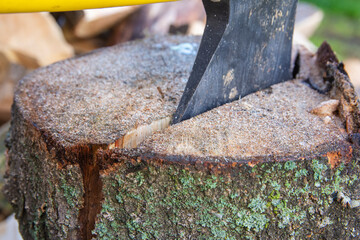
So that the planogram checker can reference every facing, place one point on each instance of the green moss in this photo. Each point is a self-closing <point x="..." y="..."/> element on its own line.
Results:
<point x="319" y="170"/>
<point x="289" y="215"/>
<point x="290" y="165"/>
<point x="211" y="182"/>
<point x="191" y="203"/>
<point x="139" y="178"/>
<point x="257" y="205"/>
<point x="301" y="173"/>
<point x="73" y="193"/>
<point x="254" y="221"/>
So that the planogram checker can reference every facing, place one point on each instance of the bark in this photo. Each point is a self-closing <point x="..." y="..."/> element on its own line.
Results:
<point x="91" y="153"/>
<point x="5" y="207"/>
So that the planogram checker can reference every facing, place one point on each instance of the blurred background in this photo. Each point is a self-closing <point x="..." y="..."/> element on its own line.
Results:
<point x="32" y="40"/>
<point x="341" y="28"/>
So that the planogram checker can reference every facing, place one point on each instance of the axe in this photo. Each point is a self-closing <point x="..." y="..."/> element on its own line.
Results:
<point x="246" y="47"/>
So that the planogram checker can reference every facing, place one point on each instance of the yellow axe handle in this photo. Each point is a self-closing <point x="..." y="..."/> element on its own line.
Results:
<point x="13" y="6"/>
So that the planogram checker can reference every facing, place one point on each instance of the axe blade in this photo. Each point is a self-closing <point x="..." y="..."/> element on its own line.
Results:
<point x="246" y="47"/>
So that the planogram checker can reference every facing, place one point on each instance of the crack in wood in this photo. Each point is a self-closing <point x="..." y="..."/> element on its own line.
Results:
<point x="93" y="190"/>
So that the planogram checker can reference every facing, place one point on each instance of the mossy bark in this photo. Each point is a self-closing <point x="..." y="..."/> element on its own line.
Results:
<point x="283" y="200"/>
<point x="47" y="199"/>
<point x="152" y="199"/>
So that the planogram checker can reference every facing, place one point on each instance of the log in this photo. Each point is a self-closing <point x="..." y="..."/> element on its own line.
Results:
<point x="34" y="38"/>
<point x="187" y="16"/>
<point x="96" y="21"/>
<point x="82" y="46"/>
<point x="10" y="74"/>
<point x="91" y="153"/>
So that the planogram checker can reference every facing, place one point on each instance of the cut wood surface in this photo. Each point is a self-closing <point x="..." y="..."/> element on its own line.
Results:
<point x="108" y="98"/>
<point x="275" y="122"/>
<point x="92" y="153"/>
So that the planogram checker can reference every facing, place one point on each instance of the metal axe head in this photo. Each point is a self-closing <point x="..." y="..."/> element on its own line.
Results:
<point x="246" y="47"/>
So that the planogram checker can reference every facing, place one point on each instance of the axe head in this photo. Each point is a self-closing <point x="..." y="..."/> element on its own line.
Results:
<point x="246" y="47"/>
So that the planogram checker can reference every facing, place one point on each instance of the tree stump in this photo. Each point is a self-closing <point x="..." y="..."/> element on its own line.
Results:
<point x="91" y="153"/>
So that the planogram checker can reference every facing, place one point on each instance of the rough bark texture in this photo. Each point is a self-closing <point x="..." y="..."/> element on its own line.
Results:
<point x="5" y="207"/>
<point x="91" y="153"/>
<point x="47" y="199"/>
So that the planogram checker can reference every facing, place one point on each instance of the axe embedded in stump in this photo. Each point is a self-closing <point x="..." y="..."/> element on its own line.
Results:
<point x="246" y="47"/>
<point x="91" y="154"/>
<point x="86" y="159"/>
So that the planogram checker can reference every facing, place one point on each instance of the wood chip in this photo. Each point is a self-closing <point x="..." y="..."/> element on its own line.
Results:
<point x="327" y="108"/>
